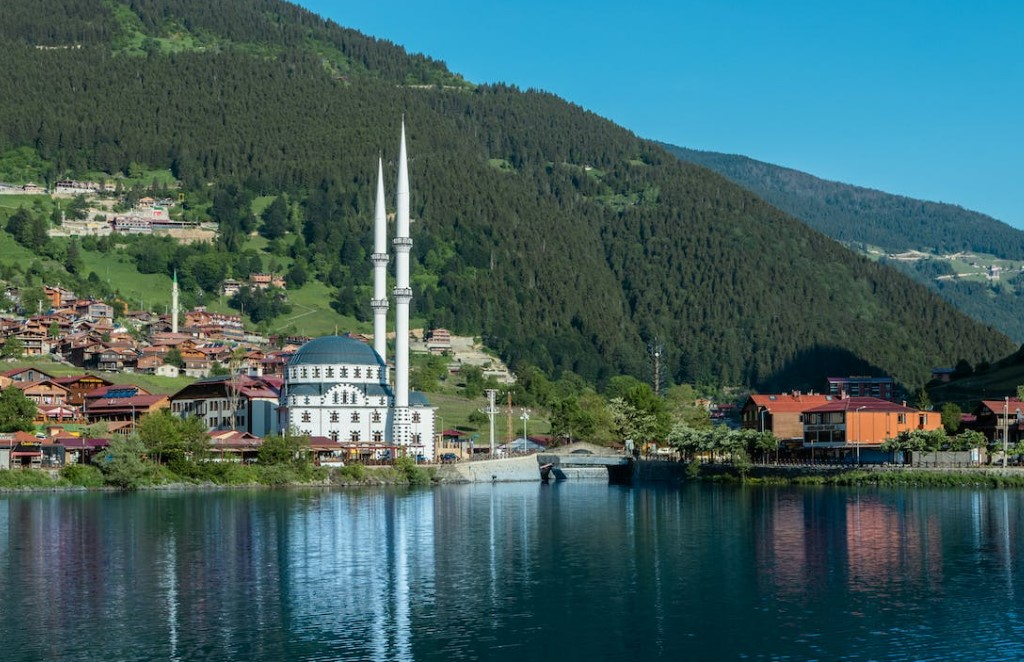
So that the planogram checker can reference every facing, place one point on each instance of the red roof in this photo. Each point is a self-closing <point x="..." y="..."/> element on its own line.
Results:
<point x="861" y="403"/>
<point x="790" y="403"/>
<point x="997" y="405"/>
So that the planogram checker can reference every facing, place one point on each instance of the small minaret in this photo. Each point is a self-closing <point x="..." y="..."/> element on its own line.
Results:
<point x="379" y="303"/>
<point x="174" y="303"/>
<point x="403" y="295"/>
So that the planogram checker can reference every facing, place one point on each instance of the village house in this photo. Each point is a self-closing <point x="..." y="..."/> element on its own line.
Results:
<point x="781" y="414"/>
<point x="121" y="406"/>
<point x="848" y="425"/>
<point x="231" y="403"/>
<point x="79" y="386"/>
<point x="50" y="399"/>
<point x="996" y="418"/>
<point x="862" y="386"/>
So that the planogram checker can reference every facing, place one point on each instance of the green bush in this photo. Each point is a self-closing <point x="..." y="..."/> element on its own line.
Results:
<point x="276" y="474"/>
<point x="352" y="473"/>
<point x="413" y="474"/>
<point x="82" y="475"/>
<point x="26" y="478"/>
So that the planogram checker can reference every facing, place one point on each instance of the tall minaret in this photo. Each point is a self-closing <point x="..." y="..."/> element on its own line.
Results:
<point x="403" y="295"/>
<point x="379" y="303"/>
<point x="174" y="303"/>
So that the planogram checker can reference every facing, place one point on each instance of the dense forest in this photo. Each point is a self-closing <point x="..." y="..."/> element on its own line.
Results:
<point x="565" y="241"/>
<point x="858" y="216"/>
<point x="855" y="214"/>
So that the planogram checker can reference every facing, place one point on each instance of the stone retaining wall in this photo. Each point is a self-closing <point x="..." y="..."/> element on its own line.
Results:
<point x="505" y="470"/>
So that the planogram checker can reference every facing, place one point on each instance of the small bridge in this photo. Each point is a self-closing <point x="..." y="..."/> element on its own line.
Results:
<point x="576" y="459"/>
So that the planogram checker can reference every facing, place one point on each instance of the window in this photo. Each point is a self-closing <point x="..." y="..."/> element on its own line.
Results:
<point x="306" y="418"/>
<point x="316" y="373"/>
<point x="369" y="373"/>
<point x="344" y="397"/>
<point x="415" y="417"/>
<point x="901" y="418"/>
<point x="334" y="435"/>
<point x="416" y="438"/>
<point x="375" y="418"/>
<point x="344" y="372"/>
<point x="358" y="373"/>
<point x="922" y="419"/>
<point x="336" y="397"/>
<point x="355" y="417"/>
<point x="294" y="373"/>
<point x="330" y="375"/>
<point x="335" y="417"/>
<point x="303" y="373"/>
<point x="378" y="437"/>
<point x="306" y="399"/>
<point x="353" y="437"/>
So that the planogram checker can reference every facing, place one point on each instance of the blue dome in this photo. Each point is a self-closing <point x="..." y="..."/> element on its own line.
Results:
<point x="335" y="349"/>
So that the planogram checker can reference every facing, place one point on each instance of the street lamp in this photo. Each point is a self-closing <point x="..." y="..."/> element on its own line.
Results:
<point x="1006" y="428"/>
<point x="860" y="428"/>
<point x="525" y="416"/>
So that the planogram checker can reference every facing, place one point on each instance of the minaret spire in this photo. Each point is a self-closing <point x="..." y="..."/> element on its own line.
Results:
<point x="403" y="295"/>
<point x="174" y="303"/>
<point x="379" y="303"/>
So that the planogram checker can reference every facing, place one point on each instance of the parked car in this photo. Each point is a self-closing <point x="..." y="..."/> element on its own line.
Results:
<point x="449" y="458"/>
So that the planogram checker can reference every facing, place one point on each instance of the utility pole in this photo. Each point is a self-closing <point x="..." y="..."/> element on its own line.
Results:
<point x="491" y="411"/>
<point x="508" y="421"/>
<point x="656" y="351"/>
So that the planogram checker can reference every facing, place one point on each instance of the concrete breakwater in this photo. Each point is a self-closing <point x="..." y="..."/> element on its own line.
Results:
<point x="501" y="470"/>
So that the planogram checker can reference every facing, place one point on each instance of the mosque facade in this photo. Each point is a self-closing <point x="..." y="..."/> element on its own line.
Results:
<point x="339" y="387"/>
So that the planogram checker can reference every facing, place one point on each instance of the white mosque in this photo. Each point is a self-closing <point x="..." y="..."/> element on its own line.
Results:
<point x="339" y="387"/>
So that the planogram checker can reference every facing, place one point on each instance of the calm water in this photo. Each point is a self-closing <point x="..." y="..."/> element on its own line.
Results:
<point x="514" y="572"/>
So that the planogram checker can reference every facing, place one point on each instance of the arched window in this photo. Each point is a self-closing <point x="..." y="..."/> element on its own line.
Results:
<point x="344" y="372"/>
<point x="358" y="372"/>
<point x="336" y="398"/>
<point x="306" y="418"/>
<point x="303" y="373"/>
<point x="330" y="372"/>
<point x="355" y="417"/>
<point x="378" y="437"/>
<point x="335" y="417"/>
<point x="316" y="373"/>
<point x="353" y="436"/>
<point x="369" y="373"/>
<point x="334" y="435"/>
<point x="375" y="418"/>
<point x="415" y="417"/>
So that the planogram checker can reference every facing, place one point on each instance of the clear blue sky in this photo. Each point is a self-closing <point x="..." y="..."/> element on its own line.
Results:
<point x="920" y="98"/>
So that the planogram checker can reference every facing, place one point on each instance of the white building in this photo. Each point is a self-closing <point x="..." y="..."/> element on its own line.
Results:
<point x="338" y="387"/>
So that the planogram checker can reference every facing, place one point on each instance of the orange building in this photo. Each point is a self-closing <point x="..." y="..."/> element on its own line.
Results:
<point x="781" y="414"/>
<point x="863" y="421"/>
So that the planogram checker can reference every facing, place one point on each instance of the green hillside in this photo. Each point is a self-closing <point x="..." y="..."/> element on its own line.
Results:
<point x="864" y="219"/>
<point x="563" y="240"/>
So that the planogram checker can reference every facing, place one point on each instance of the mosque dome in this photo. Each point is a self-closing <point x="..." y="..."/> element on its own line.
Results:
<point x="335" y="350"/>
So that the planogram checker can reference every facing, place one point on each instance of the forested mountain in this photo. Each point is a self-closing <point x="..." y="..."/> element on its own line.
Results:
<point x="865" y="217"/>
<point x="564" y="240"/>
<point x="855" y="214"/>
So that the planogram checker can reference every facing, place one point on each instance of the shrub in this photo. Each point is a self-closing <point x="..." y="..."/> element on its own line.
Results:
<point x="82" y="475"/>
<point x="413" y="474"/>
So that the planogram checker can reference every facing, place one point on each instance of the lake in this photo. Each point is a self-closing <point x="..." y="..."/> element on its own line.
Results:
<point x="569" y="571"/>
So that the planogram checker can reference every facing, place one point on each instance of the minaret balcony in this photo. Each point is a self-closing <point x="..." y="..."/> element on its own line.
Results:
<point x="400" y="242"/>
<point x="379" y="258"/>
<point x="379" y="304"/>
<point x="403" y="292"/>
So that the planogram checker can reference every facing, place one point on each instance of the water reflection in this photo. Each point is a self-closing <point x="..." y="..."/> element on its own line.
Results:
<point x="506" y="571"/>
